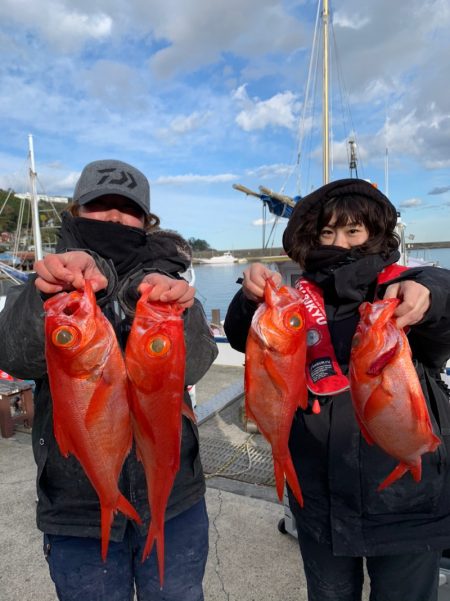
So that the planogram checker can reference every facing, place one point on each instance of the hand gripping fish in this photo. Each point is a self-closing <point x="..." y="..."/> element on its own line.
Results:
<point x="91" y="416"/>
<point x="155" y="361"/>
<point x="275" y="382"/>
<point x="386" y="393"/>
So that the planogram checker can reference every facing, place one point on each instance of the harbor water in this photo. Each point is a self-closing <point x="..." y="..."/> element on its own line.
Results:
<point x="216" y="284"/>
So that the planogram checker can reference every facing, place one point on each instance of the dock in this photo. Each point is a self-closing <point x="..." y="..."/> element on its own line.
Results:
<point x="248" y="558"/>
<point x="277" y="254"/>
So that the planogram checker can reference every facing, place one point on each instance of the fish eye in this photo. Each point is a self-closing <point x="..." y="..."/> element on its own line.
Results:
<point x="294" y="321"/>
<point x="65" y="337"/>
<point x="158" y="346"/>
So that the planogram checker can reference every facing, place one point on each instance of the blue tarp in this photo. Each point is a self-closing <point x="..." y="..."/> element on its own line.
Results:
<point x="277" y="207"/>
<point x="15" y="274"/>
<point x="9" y="258"/>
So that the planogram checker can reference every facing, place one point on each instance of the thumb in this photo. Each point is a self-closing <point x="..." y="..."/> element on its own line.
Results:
<point x="392" y="291"/>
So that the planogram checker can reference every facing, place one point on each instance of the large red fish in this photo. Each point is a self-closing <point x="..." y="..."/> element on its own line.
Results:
<point x="88" y="384"/>
<point x="275" y="383"/>
<point x="155" y="360"/>
<point x="386" y="393"/>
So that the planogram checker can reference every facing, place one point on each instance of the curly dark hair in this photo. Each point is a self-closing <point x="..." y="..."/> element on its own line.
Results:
<point x="343" y="201"/>
<point x="151" y="221"/>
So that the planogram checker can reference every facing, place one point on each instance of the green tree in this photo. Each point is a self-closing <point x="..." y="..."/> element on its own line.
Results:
<point x="198" y="244"/>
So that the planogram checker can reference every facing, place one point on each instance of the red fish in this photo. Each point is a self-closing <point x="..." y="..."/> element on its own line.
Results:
<point x="275" y="383"/>
<point x="386" y="393"/>
<point x="88" y="384"/>
<point x="155" y="361"/>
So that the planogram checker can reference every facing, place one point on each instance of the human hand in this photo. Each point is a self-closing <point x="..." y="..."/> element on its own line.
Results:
<point x="254" y="282"/>
<point x="68" y="271"/>
<point x="415" y="300"/>
<point x="168" y="290"/>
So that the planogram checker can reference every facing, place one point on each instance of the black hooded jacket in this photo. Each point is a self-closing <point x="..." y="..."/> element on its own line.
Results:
<point x="68" y="504"/>
<point x="338" y="471"/>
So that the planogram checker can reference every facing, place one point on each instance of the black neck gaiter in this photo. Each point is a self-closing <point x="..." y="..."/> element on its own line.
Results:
<point x="125" y="246"/>
<point x="347" y="276"/>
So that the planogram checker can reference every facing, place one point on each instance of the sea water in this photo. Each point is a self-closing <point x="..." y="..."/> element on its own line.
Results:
<point x="216" y="284"/>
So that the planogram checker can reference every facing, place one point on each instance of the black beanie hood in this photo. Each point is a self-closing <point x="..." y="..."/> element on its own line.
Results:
<point x="344" y="187"/>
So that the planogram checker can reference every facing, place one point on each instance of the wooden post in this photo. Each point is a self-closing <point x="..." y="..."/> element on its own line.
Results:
<point x="215" y="317"/>
<point x="6" y="423"/>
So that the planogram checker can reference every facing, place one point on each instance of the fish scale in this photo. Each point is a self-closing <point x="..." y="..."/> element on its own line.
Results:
<point x="275" y="384"/>
<point x="155" y="360"/>
<point x="88" y="384"/>
<point x="387" y="397"/>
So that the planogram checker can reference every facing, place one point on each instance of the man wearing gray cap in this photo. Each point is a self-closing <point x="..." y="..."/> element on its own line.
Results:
<point x="109" y="237"/>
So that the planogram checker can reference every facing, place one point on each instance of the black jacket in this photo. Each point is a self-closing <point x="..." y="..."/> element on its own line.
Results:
<point x="339" y="472"/>
<point x="68" y="504"/>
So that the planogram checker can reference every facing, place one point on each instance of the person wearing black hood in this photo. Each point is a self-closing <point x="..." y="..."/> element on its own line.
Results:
<point x="342" y="236"/>
<point x="110" y="237"/>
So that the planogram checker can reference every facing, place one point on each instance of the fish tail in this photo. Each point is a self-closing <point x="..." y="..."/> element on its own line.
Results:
<point x="106" y="520"/>
<point x="154" y="534"/>
<point x="279" y="478"/>
<point x="188" y="412"/>
<point x="399" y="471"/>
<point x="127" y="508"/>
<point x="292" y="480"/>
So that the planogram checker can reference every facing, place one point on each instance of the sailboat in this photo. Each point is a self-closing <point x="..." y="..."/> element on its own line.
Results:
<point x="10" y="274"/>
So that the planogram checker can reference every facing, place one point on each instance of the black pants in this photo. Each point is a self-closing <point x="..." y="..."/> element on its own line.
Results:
<point x="411" y="577"/>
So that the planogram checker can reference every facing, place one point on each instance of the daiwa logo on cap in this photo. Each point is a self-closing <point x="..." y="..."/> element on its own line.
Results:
<point x="109" y="176"/>
<point x="125" y="177"/>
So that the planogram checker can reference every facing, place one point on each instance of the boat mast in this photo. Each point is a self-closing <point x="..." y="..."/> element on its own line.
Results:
<point x="325" y="97"/>
<point x="34" y="204"/>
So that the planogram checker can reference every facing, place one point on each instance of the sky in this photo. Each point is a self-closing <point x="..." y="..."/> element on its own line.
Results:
<point x="201" y="95"/>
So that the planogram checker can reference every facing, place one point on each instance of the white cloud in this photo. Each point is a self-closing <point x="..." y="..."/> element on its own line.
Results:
<point x="411" y="202"/>
<point x="261" y="222"/>
<point x="268" y="171"/>
<point x="194" y="179"/>
<point x="278" y="111"/>
<point x="61" y="26"/>
<point x="351" y="22"/>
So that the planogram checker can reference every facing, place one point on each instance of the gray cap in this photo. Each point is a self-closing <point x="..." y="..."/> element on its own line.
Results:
<point x="112" y="177"/>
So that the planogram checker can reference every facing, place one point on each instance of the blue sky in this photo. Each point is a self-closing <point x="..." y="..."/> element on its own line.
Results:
<point x="200" y="95"/>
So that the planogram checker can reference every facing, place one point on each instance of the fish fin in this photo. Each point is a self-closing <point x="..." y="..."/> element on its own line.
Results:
<point x="376" y="403"/>
<point x="127" y="509"/>
<point x="97" y="403"/>
<point x="418" y="406"/>
<point x="399" y="471"/>
<point x="107" y="515"/>
<point x="279" y="382"/>
<point x="188" y="412"/>
<point x="279" y="478"/>
<point x="292" y="480"/>
<point x="274" y="373"/>
<point x="270" y="293"/>
<point x="364" y="431"/>
<point x="381" y="361"/>
<point x="152" y="536"/>
<point x="62" y="440"/>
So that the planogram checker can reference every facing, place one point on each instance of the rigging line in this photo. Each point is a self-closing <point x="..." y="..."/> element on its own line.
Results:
<point x="6" y="200"/>
<point x="48" y="199"/>
<point x="345" y="97"/>
<point x="272" y="232"/>
<point x="308" y="147"/>
<point x="18" y="228"/>
<point x="302" y="124"/>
